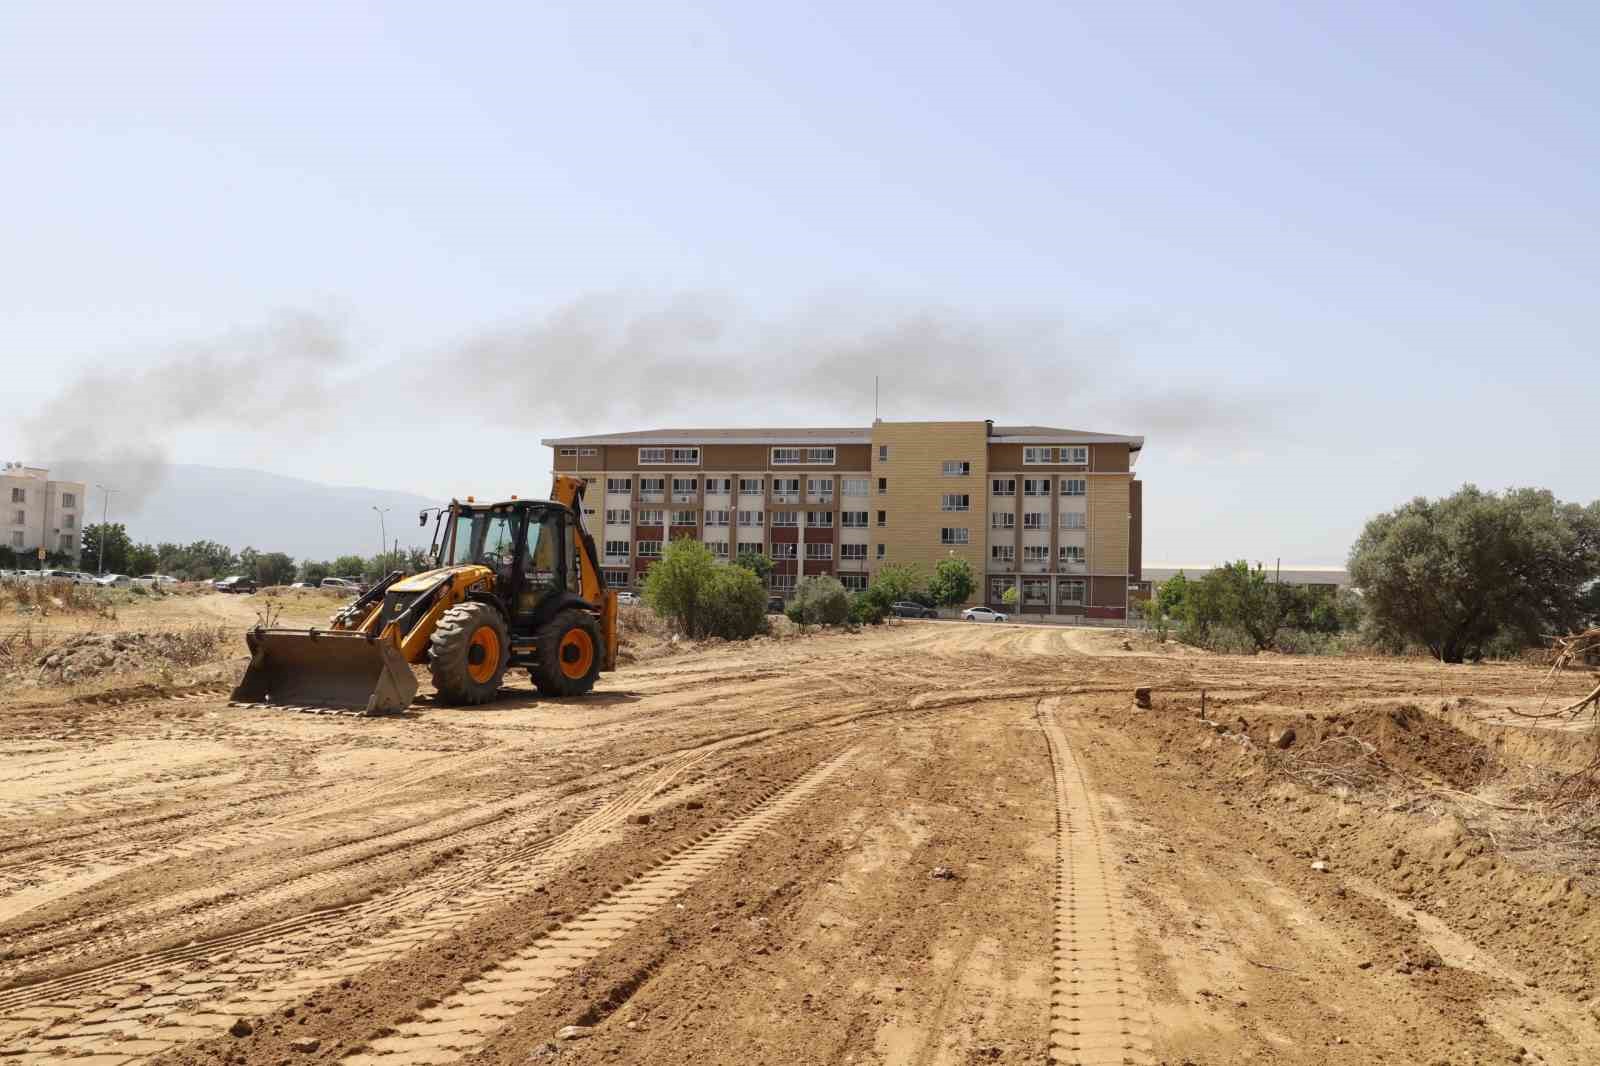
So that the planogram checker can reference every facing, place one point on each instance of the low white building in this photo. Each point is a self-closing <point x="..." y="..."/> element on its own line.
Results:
<point x="40" y="513"/>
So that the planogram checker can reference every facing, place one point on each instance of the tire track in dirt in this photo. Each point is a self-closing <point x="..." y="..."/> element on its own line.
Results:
<point x="484" y="1005"/>
<point x="1099" y="1011"/>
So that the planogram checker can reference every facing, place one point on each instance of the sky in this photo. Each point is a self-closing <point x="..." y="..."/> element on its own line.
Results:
<point x="1325" y="257"/>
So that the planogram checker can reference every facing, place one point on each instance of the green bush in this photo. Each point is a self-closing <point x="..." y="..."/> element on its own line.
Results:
<point x="820" y="601"/>
<point x="953" y="583"/>
<point x="869" y="607"/>
<point x="733" y="604"/>
<point x="688" y="588"/>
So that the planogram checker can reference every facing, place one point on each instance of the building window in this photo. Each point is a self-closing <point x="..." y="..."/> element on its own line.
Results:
<point x="1076" y="456"/>
<point x="1036" y="486"/>
<point x="806" y="456"/>
<point x="882" y="551"/>
<point x="853" y="551"/>
<point x="650" y="518"/>
<point x="1072" y="553"/>
<point x="69" y="500"/>
<point x="16" y="540"/>
<point x="684" y="518"/>
<point x="651" y="488"/>
<point x="617" y="548"/>
<point x="789" y="550"/>
<point x="618" y="516"/>
<point x="716" y="518"/>
<point x="616" y="579"/>
<point x="619" y="484"/>
<point x="786" y="489"/>
<point x="853" y="582"/>
<point x="883" y="519"/>
<point x="1003" y="486"/>
<point x="819" y="551"/>
<point x="569" y="453"/>
<point x="1074" y="486"/>
<point x="752" y="518"/>
<point x="649" y="549"/>
<point x="949" y="535"/>
<point x="1034" y="520"/>
<point x="883" y="453"/>
<point x="21" y="518"/>
<point x="957" y="468"/>
<point x="1073" y="520"/>
<point x="781" y="583"/>
<point x="854" y="486"/>
<point x="1036" y="591"/>
<point x="67" y="521"/>
<point x="683" y="489"/>
<point x="1002" y="553"/>
<point x="719" y="548"/>
<point x="587" y="453"/>
<point x="652" y="455"/>
<point x="785" y="518"/>
<point x="853" y="519"/>
<point x="820" y="486"/>
<point x="883" y="486"/>
<point x="1070" y="591"/>
<point x="1035" y="456"/>
<point x="1036" y="553"/>
<point x="1002" y="520"/>
<point x="819" y="519"/>
<point x="19" y="495"/>
<point x="955" y="501"/>
<point x="718" y="486"/>
<point x="750" y="486"/>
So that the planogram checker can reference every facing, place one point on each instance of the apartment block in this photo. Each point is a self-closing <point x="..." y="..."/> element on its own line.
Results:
<point x="40" y="513"/>
<point x="1053" y="513"/>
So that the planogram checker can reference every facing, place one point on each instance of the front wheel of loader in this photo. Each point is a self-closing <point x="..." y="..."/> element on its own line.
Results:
<point x="570" y="651"/>
<point x="467" y="653"/>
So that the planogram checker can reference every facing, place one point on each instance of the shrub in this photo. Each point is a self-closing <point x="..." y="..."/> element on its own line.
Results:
<point x="820" y="601"/>
<point x="869" y="607"/>
<point x="953" y="583"/>
<point x="733" y="604"/>
<point x="674" y="585"/>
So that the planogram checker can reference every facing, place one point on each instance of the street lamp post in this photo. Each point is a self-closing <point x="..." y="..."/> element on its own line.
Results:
<point x="105" y="512"/>
<point x="383" y="531"/>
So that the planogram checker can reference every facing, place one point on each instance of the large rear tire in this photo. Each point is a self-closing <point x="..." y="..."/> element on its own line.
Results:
<point x="570" y="651"/>
<point x="468" y="652"/>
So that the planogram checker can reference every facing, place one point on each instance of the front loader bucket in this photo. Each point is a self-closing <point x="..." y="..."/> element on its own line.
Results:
<point x="319" y="668"/>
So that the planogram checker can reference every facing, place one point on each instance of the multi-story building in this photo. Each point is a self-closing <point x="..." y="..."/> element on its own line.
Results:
<point x="1053" y="513"/>
<point x="40" y="513"/>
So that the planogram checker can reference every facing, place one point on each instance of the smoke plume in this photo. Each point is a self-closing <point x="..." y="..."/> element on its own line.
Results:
<point x="248" y="379"/>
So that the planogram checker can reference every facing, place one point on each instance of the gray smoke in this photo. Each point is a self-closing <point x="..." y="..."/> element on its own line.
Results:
<point x="610" y="361"/>
<point x="128" y="417"/>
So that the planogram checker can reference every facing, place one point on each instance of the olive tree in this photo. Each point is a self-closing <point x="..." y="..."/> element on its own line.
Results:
<point x="1452" y="573"/>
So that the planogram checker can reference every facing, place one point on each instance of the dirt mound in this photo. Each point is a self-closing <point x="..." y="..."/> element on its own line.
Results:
<point x="86" y="657"/>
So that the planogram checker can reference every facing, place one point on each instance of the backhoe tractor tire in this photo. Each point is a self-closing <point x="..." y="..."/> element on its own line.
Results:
<point x="468" y="652"/>
<point x="570" y="651"/>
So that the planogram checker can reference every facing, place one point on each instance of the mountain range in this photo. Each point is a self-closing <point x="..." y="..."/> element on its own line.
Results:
<point x="249" y="508"/>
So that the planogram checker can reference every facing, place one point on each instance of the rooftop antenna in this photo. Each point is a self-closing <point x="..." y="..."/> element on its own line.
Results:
<point x="875" y="397"/>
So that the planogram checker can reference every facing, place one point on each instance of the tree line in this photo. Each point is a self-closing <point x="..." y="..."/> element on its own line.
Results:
<point x="206" y="560"/>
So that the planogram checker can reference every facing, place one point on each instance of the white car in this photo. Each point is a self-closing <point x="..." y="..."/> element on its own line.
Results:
<point x="627" y="599"/>
<point x="984" y="614"/>
<point x="115" y="581"/>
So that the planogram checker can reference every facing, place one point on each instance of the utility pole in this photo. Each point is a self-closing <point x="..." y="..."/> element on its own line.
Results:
<point x="105" y="512"/>
<point x="383" y="531"/>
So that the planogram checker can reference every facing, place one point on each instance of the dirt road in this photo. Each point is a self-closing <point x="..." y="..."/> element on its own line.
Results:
<point x="929" y="844"/>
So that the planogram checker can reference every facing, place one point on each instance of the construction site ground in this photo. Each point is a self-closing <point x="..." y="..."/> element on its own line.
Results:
<point x="924" y="843"/>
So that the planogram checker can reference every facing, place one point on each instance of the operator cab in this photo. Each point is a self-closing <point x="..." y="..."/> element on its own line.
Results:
<point x="530" y="546"/>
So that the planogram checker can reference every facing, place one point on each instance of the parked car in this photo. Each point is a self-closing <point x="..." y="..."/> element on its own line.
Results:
<point x="907" y="609"/>
<point x="152" y="580"/>
<point x="343" y="584"/>
<point x="236" y="583"/>
<point x="775" y="605"/>
<point x="74" y="576"/>
<point x="304" y="585"/>
<point x="115" y="581"/>
<point x="628" y="599"/>
<point x="984" y="614"/>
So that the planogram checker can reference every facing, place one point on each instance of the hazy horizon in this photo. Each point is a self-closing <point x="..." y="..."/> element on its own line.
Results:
<point x="1324" y="259"/>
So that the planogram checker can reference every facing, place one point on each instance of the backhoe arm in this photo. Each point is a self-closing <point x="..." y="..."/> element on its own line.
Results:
<point x="569" y="492"/>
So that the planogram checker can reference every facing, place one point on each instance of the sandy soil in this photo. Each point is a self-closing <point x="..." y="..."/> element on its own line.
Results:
<point x="933" y="843"/>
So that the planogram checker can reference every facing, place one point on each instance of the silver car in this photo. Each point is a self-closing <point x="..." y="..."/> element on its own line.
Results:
<point x="984" y="614"/>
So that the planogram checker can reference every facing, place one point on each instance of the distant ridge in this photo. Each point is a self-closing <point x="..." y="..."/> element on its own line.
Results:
<point x="253" y="508"/>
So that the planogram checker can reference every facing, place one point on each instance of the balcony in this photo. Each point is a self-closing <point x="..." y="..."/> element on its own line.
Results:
<point x="825" y="498"/>
<point x="615" y="560"/>
<point x="1036" y="566"/>
<point x="785" y="497"/>
<point x="1065" y="567"/>
<point x="652" y="497"/>
<point x="684" y="497"/>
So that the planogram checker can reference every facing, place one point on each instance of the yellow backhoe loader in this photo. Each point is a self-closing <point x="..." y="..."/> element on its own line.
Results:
<point x="516" y="583"/>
